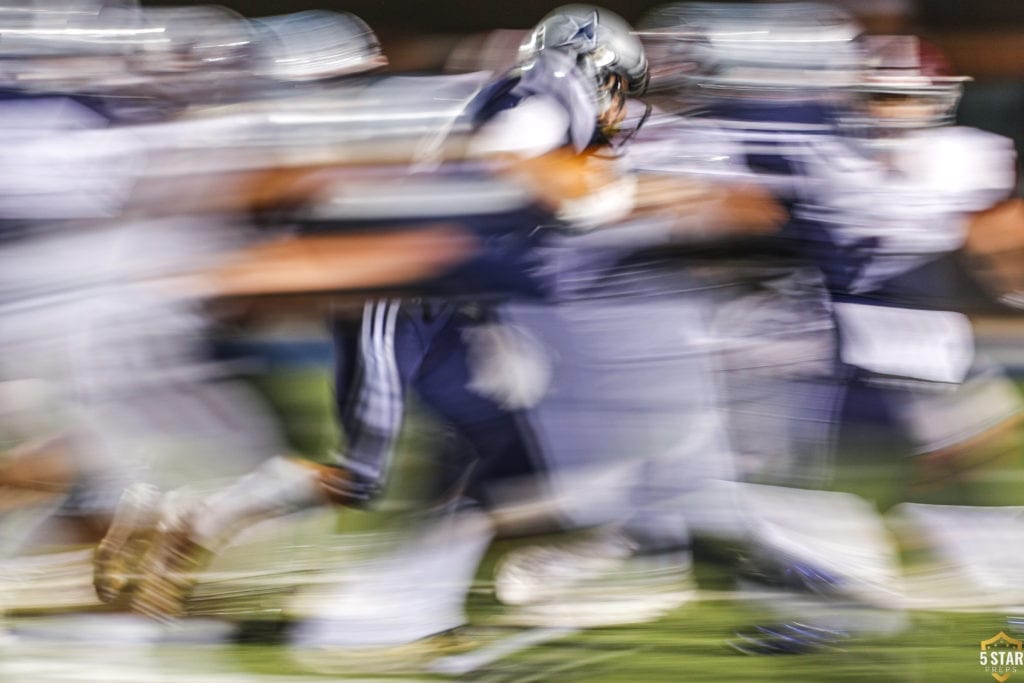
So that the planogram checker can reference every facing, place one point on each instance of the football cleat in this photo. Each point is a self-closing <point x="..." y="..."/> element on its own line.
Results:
<point x="598" y="581"/>
<point x="170" y="568"/>
<point x="787" y="574"/>
<point x="118" y="556"/>
<point x="539" y="573"/>
<point x="416" y="657"/>
<point x="793" y="638"/>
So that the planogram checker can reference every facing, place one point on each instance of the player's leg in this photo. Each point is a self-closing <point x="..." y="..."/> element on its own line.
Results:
<point x="189" y="530"/>
<point x="43" y="465"/>
<point x="631" y="433"/>
<point x="499" y="440"/>
<point x="819" y="561"/>
<point x="775" y="357"/>
<point x="418" y="587"/>
<point x="965" y="494"/>
<point x="965" y="437"/>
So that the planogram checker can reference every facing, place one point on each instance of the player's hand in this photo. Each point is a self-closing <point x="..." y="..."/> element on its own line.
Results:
<point x="339" y="486"/>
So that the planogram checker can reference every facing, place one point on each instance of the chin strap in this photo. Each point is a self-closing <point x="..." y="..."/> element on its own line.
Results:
<point x="610" y="136"/>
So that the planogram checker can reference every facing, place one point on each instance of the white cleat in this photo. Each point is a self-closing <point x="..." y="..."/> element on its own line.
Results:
<point x="598" y="581"/>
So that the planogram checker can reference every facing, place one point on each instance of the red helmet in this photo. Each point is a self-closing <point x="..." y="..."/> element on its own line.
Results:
<point x="909" y="69"/>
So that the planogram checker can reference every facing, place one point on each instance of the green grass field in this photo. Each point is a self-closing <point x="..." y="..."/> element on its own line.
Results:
<point x="687" y="645"/>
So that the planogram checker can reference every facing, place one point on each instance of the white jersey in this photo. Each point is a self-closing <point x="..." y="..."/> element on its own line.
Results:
<point x="663" y="144"/>
<point x="886" y="214"/>
<point x="83" y="316"/>
<point x="895" y="215"/>
<point x="674" y="145"/>
<point x="59" y="161"/>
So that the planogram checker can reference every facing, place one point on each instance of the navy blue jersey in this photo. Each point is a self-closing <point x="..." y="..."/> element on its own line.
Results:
<point x="552" y="75"/>
<point x="778" y="138"/>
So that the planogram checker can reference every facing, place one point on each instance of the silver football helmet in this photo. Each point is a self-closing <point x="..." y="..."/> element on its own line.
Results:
<point x="316" y="45"/>
<point x="736" y="48"/>
<point x="606" y="50"/>
<point x="200" y="39"/>
<point x="66" y="45"/>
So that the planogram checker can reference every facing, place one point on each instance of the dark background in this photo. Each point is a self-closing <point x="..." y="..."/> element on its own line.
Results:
<point x="461" y="16"/>
<point x="982" y="38"/>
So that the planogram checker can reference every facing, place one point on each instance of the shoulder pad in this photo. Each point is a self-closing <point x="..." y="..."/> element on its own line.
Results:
<point x="971" y="167"/>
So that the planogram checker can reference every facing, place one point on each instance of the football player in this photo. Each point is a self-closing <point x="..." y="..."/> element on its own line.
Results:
<point x="930" y="180"/>
<point x="90" y="309"/>
<point x="77" y="319"/>
<point x="553" y="124"/>
<point x="745" y="71"/>
<point x="565" y="97"/>
<point x="921" y="189"/>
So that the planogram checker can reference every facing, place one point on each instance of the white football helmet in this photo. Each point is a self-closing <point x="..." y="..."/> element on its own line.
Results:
<point x="746" y="48"/>
<point x="316" y="45"/>
<point x="908" y="84"/>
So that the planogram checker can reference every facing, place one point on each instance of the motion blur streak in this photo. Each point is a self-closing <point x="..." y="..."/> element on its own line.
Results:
<point x="595" y="350"/>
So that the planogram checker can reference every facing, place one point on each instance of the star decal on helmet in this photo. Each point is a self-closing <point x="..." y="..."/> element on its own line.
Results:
<point x="584" y="34"/>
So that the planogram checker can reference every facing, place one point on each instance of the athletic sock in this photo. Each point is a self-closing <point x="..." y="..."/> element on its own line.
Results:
<point x="279" y="487"/>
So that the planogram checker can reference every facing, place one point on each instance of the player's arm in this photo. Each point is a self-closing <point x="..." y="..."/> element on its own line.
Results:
<point x="595" y="192"/>
<point x="696" y="209"/>
<point x="383" y="259"/>
<point x="995" y="249"/>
